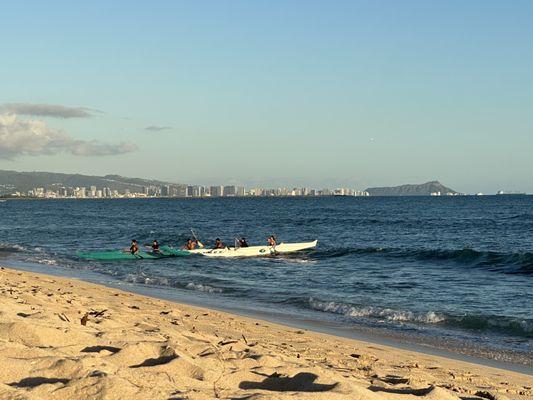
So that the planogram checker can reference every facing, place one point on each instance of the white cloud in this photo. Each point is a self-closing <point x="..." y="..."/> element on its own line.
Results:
<point x="21" y="137"/>
<point x="46" y="110"/>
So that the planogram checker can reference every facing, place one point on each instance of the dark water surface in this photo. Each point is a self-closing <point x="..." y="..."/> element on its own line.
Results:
<point x="450" y="272"/>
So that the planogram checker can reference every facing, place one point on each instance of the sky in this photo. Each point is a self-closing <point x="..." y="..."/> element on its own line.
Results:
<point x="278" y="93"/>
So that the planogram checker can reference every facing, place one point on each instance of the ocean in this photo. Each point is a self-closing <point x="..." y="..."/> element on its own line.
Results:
<point x="442" y="273"/>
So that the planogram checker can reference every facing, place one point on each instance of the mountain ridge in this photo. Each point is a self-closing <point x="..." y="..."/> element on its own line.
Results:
<point x="11" y="181"/>
<point x="422" y="189"/>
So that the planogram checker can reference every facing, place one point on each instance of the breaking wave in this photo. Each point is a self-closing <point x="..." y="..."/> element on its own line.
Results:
<point x="522" y="327"/>
<point x="11" y="248"/>
<point x="385" y="314"/>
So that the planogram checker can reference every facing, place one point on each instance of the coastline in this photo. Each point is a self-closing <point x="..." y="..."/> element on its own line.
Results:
<point x="143" y="347"/>
<point x="203" y="299"/>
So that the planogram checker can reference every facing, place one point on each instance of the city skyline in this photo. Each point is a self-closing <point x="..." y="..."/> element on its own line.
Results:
<point x="15" y="184"/>
<point x="180" y="190"/>
<point x="286" y="94"/>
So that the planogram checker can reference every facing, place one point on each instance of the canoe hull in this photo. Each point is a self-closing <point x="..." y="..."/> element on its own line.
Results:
<point x="121" y="255"/>
<point x="255" y="251"/>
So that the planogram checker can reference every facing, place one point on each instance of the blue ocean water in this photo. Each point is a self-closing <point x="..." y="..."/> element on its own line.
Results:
<point x="447" y="272"/>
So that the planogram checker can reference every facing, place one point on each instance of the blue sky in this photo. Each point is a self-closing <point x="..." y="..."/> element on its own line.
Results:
<point x="357" y="93"/>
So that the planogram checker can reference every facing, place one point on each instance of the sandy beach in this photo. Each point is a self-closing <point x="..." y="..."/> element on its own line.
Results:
<point x="67" y="339"/>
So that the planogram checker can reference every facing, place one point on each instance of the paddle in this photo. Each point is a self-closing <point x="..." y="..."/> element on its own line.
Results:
<point x="200" y="244"/>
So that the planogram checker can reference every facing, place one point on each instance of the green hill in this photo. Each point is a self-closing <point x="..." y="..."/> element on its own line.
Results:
<point x="12" y="181"/>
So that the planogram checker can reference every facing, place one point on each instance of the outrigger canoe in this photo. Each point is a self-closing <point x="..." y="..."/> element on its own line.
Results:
<point x="255" y="251"/>
<point x="140" y="255"/>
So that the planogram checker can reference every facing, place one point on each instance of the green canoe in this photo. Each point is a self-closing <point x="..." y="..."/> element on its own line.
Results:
<point x="110" y="255"/>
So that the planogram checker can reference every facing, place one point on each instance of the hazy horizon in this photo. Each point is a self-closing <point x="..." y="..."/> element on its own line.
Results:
<point x="355" y="94"/>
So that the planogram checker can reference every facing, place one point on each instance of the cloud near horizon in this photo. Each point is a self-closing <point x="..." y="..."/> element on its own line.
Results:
<point x="155" y="128"/>
<point x="20" y="137"/>
<point x="46" y="110"/>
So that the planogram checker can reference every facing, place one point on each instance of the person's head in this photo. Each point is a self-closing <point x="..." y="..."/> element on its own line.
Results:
<point x="133" y="241"/>
<point x="189" y="240"/>
<point x="155" y="241"/>
<point x="217" y="240"/>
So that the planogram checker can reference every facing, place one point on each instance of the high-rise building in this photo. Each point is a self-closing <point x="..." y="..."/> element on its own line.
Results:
<point x="81" y="192"/>
<point x="216" y="191"/>
<point x="182" y="191"/>
<point x="229" y="191"/>
<point x="192" y="191"/>
<point x="256" y="192"/>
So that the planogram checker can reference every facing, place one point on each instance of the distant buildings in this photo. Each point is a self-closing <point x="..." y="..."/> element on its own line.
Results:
<point x="194" y="191"/>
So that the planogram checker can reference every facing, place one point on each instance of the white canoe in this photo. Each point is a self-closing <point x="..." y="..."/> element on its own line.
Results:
<point x="255" y="251"/>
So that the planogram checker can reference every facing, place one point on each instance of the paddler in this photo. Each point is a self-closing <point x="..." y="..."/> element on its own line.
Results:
<point x="218" y="244"/>
<point x="134" y="248"/>
<point x="155" y="247"/>
<point x="190" y="245"/>
<point x="271" y="241"/>
<point x="243" y="242"/>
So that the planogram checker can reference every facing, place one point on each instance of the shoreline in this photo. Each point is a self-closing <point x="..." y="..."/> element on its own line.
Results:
<point x="144" y="347"/>
<point x="203" y="300"/>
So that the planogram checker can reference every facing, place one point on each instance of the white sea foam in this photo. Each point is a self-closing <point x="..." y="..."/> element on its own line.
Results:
<point x="146" y="280"/>
<point x="203" y="288"/>
<point x="47" y="261"/>
<point x="385" y="314"/>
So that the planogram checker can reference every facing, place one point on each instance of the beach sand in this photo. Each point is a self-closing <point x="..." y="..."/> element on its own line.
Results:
<point x="67" y="339"/>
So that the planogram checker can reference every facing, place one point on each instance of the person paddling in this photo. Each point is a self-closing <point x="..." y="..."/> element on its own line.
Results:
<point x="190" y="245"/>
<point x="134" y="248"/>
<point x="218" y="244"/>
<point x="155" y="247"/>
<point x="271" y="241"/>
<point x="243" y="242"/>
